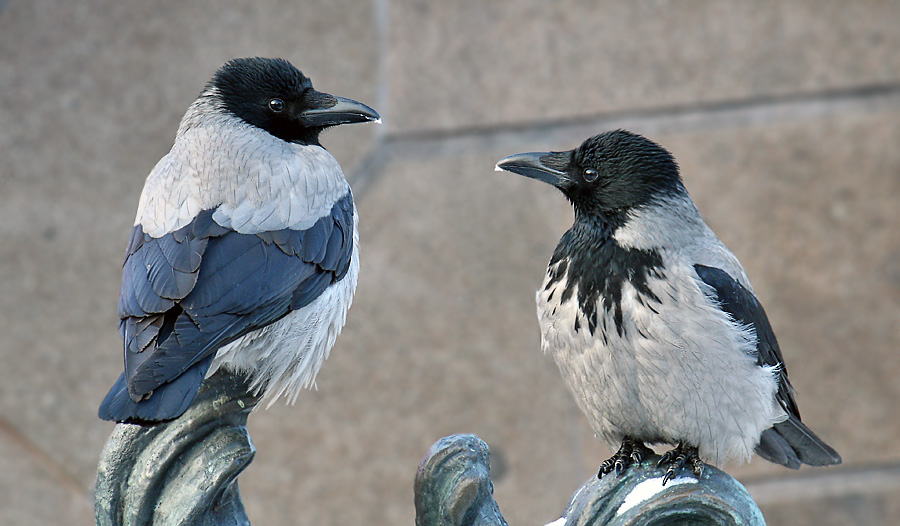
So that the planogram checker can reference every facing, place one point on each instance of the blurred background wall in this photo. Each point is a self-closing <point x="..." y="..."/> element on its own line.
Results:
<point x="785" y="119"/>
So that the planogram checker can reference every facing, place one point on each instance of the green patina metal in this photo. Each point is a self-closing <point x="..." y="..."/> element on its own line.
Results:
<point x="185" y="472"/>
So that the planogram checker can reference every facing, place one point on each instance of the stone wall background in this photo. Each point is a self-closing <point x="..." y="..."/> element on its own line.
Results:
<point x="785" y="119"/>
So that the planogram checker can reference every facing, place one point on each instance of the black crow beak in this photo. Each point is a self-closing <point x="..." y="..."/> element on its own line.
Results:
<point x="538" y="165"/>
<point x="328" y="110"/>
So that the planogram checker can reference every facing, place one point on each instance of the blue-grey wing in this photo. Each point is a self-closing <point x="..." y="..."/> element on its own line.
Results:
<point x="186" y="294"/>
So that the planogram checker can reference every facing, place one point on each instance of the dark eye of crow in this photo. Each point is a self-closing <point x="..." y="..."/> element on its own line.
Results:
<point x="276" y="105"/>
<point x="590" y="175"/>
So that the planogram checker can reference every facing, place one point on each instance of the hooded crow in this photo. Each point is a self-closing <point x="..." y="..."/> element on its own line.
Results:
<point x="652" y="320"/>
<point x="244" y="251"/>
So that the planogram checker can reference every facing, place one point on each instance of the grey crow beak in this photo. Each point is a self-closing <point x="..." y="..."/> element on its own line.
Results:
<point x="328" y="110"/>
<point x="538" y="165"/>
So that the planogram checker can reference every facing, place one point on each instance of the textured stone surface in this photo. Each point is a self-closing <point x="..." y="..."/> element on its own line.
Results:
<point x="469" y="64"/>
<point x="34" y="492"/>
<point x="843" y="510"/>
<point x="442" y="337"/>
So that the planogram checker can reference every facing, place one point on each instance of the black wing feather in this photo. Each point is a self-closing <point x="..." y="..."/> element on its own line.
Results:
<point x="745" y="309"/>
<point x="790" y="442"/>
<point x="186" y="294"/>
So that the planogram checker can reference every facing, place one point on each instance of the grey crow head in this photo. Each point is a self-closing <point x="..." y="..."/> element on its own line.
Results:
<point x="273" y="95"/>
<point x="608" y="175"/>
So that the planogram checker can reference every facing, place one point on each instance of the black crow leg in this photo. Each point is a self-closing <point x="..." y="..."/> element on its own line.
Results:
<point x="678" y="458"/>
<point x="632" y="452"/>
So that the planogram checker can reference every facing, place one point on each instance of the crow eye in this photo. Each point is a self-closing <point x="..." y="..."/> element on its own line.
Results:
<point x="276" y="105"/>
<point x="590" y="175"/>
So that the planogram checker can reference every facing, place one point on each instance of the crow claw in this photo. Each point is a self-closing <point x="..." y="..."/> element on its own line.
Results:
<point x="605" y="467"/>
<point x="666" y="458"/>
<point x="632" y="452"/>
<point x="677" y="459"/>
<point x="670" y="474"/>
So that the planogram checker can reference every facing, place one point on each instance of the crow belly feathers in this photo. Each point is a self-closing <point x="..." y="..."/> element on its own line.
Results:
<point x="678" y="369"/>
<point x="284" y="357"/>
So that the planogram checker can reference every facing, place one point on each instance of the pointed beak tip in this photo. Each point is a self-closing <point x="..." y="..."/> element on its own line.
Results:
<point x="504" y="164"/>
<point x="530" y="165"/>
<point x="341" y="111"/>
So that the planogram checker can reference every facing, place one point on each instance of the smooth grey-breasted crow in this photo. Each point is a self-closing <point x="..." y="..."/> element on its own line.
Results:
<point x="244" y="250"/>
<point x="652" y="320"/>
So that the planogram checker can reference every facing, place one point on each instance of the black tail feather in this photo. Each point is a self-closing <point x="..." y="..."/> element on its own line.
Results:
<point x="774" y="448"/>
<point x="791" y="443"/>
<point x="167" y="402"/>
